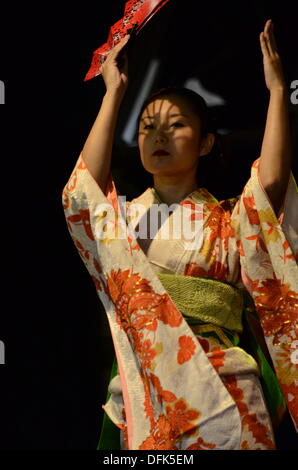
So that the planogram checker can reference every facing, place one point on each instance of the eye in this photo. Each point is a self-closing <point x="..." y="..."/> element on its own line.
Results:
<point x="177" y="124"/>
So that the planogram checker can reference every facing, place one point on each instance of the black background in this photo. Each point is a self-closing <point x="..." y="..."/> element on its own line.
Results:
<point x="56" y="336"/>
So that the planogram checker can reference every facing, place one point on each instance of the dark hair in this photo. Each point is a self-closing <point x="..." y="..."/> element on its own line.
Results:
<point x="214" y="159"/>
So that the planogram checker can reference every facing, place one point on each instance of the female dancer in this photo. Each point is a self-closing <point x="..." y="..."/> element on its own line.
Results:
<point x="176" y="304"/>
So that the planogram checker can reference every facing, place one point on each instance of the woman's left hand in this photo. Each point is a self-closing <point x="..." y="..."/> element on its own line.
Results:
<point x="273" y="69"/>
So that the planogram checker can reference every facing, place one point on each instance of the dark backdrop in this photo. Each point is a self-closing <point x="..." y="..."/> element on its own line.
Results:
<point x="57" y="343"/>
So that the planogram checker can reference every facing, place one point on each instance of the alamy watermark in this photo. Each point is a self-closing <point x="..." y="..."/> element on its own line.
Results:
<point x="160" y="222"/>
<point x="2" y="92"/>
<point x="2" y="352"/>
<point x="294" y="94"/>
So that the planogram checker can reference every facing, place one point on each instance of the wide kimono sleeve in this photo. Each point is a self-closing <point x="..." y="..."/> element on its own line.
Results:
<point x="268" y="247"/>
<point x="160" y="361"/>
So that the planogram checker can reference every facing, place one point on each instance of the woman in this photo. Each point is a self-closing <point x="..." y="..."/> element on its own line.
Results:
<point x="175" y="304"/>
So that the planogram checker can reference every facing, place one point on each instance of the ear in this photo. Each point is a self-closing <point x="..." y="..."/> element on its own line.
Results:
<point x="207" y="144"/>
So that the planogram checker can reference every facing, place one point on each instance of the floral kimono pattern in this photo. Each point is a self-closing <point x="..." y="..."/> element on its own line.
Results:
<point x="165" y="370"/>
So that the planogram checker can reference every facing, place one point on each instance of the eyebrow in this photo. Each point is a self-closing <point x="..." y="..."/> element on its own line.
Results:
<point x="172" y="115"/>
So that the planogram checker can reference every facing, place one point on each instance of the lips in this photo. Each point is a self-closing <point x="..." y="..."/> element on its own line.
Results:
<point x="160" y="152"/>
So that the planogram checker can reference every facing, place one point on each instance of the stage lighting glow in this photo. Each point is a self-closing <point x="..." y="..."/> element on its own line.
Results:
<point x="145" y="89"/>
<point x="212" y="99"/>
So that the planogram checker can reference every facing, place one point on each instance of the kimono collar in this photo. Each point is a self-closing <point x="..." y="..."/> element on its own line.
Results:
<point x="196" y="196"/>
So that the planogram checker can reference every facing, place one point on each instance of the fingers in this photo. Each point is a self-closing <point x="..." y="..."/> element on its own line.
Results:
<point x="121" y="44"/>
<point x="264" y="46"/>
<point x="272" y="37"/>
<point x="267" y="39"/>
<point x="268" y="36"/>
<point x="117" y="56"/>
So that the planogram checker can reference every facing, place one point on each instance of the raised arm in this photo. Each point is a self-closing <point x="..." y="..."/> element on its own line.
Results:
<point x="276" y="152"/>
<point x="97" y="150"/>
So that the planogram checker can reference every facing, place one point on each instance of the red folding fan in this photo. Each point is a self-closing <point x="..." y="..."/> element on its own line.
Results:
<point x="136" y="14"/>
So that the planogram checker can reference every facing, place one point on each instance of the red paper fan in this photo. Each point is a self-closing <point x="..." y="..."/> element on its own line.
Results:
<point x="137" y="13"/>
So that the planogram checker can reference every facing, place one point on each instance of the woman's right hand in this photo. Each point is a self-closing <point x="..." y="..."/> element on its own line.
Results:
<point x="115" y="68"/>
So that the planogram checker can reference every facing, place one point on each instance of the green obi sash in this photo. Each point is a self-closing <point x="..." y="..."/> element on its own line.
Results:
<point x="218" y="309"/>
<point x="210" y="307"/>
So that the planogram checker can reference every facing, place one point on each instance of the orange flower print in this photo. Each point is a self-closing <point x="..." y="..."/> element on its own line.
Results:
<point x="124" y="429"/>
<point x="240" y="247"/>
<point x="162" y="436"/>
<point x="81" y="164"/>
<point x="124" y="282"/>
<point x="141" y="296"/>
<point x="97" y="266"/>
<point x="187" y="349"/>
<point x="168" y="313"/>
<point x="236" y="392"/>
<point x="148" y="408"/>
<point x="83" y="218"/>
<point x="196" y="210"/>
<point x="131" y="246"/>
<point x="167" y="430"/>
<point x="273" y="292"/>
<point x="96" y="282"/>
<point x="65" y="200"/>
<point x="121" y="285"/>
<point x="252" y="286"/>
<point x="252" y="213"/>
<point x="143" y="308"/>
<point x="286" y="367"/>
<point x="146" y="320"/>
<point x="162" y="395"/>
<point x="135" y="336"/>
<point x="259" y="431"/>
<point x="181" y="418"/>
<point x="153" y="307"/>
<point x="138" y="306"/>
<point x="291" y="395"/>
<point x="72" y="181"/>
<point x="82" y="251"/>
<point x="111" y="194"/>
<point x="146" y="353"/>
<point x="114" y="283"/>
<point x="259" y="242"/>
<point x="286" y="247"/>
<point x="201" y="445"/>
<point x="277" y="306"/>
<point x="217" y="270"/>
<point x="194" y="270"/>
<point x="217" y="358"/>
<point x="219" y="223"/>
<point x="245" y="446"/>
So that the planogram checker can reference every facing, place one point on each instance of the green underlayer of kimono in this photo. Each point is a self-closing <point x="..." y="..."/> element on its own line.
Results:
<point x="213" y="309"/>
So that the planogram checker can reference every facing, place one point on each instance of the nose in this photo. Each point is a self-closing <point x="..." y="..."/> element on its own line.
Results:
<point x="161" y="137"/>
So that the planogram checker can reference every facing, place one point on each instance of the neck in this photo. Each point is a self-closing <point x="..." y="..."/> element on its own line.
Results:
<point x="173" y="189"/>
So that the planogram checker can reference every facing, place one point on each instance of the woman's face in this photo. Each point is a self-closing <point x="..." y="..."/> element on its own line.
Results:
<point x="169" y="126"/>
